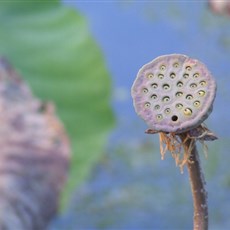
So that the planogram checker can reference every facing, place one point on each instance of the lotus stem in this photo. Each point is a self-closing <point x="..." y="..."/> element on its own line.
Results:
<point x="197" y="181"/>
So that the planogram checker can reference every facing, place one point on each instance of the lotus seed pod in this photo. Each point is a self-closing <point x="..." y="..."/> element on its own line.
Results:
<point x="173" y="93"/>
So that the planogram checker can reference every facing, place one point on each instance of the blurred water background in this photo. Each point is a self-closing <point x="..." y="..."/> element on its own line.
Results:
<point x="131" y="187"/>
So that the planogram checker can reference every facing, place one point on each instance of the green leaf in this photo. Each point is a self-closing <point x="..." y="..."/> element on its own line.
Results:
<point x="51" y="46"/>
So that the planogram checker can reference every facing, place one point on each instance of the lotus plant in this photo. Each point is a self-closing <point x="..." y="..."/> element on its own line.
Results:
<point x="174" y="94"/>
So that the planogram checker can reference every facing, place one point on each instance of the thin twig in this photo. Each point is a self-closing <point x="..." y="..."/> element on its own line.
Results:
<point x="197" y="186"/>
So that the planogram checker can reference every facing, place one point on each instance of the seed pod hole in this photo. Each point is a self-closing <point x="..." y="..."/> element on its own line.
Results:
<point x="166" y="86"/>
<point x="189" y="97"/>
<point x="147" y="105"/>
<point x="196" y="75"/>
<point x="186" y="76"/>
<point x="193" y="85"/>
<point x="163" y="67"/>
<point x="188" y="68"/>
<point x="159" y="117"/>
<point x="174" y="118"/>
<point x="172" y="75"/>
<point x="157" y="107"/>
<point x="187" y="112"/>
<point x="203" y="83"/>
<point x="179" y="106"/>
<point x="179" y="84"/>
<point x="167" y="111"/>
<point x="154" y="85"/>
<point x="196" y="103"/>
<point x="179" y="94"/>
<point x="150" y="75"/>
<point x="154" y="96"/>
<point x="160" y="76"/>
<point x="176" y="65"/>
<point x="201" y="93"/>
<point x="165" y="99"/>
<point x="145" y="90"/>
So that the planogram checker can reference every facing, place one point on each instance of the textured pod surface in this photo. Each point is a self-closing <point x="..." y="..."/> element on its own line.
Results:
<point x="173" y="93"/>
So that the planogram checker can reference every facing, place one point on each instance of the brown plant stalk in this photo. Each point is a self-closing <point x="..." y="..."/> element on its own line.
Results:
<point x="197" y="181"/>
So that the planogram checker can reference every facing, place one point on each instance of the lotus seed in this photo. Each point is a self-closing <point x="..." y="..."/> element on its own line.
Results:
<point x="176" y="64"/>
<point x="203" y="83"/>
<point x="167" y="111"/>
<point x="159" y="117"/>
<point x="157" y="107"/>
<point x="196" y="103"/>
<point x="179" y="106"/>
<point x="150" y="75"/>
<point x="189" y="86"/>
<point x="147" y="105"/>
<point x="172" y="75"/>
<point x="196" y="75"/>
<point x="161" y="76"/>
<point x="188" y="68"/>
<point x="165" y="99"/>
<point x="188" y="112"/>
<point x="154" y="96"/>
<point x="154" y="85"/>
<point x="193" y="85"/>
<point x="179" y="84"/>
<point x="189" y="97"/>
<point x="145" y="90"/>
<point x="179" y="94"/>
<point x="163" y="67"/>
<point x="201" y="93"/>
<point x="166" y="86"/>
<point x="185" y="75"/>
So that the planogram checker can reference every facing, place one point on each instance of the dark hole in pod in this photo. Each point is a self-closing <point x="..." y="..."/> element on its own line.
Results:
<point x="174" y="118"/>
